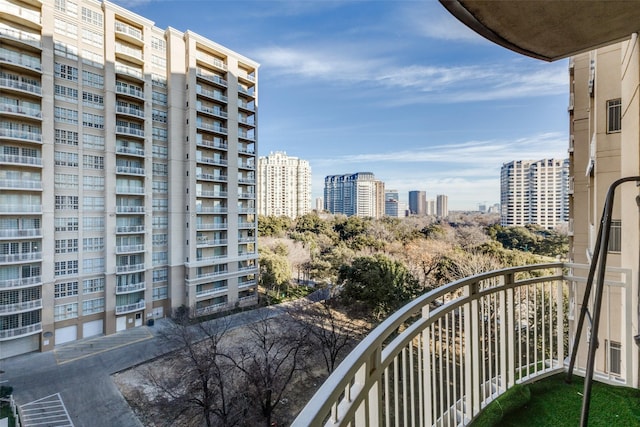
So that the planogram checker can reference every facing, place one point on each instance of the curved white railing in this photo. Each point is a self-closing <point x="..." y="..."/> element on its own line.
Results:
<point x="444" y="356"/>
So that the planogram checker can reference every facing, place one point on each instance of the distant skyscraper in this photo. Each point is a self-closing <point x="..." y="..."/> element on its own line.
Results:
<point x="354" y="194"/>
<point x="319" y="204"/>
<point x="431" y="207"/>
<point x="442" y="206"/>
<point x="534" y="192"/>
<point x="418" y="202"/>
<point x="391" y="203"/>
<point x="284" y="185"/>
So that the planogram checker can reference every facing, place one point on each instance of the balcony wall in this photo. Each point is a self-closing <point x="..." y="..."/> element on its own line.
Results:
<point x="443" y="357"/>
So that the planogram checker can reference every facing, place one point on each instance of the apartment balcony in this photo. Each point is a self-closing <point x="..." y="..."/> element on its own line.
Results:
<point x="130" y="170"/>
<point x="246" y="165"/>
<point x="129" y="33"/>
<point x="7" y="334"/>
<point x="130" y="229"/>
<point x="204" y="242"/>
<point x="21" y="135"/>
<point x="135" y="112"/>
<point x="130" y="131"/>
<point x="246" y="210"/>
<point x="211" y="194"/>
<point x="211" y="226"/>
<point x="210" y="161"/>
<point x="212" y="127"/>
<point x="250" y="239"/>
<point x="22" y="15"/>
<point x="212" y="291"/>
<point x="215" y="112"/>
<point x="242" y="224"/>
<point x="20" y="61"/>
<point x="129" y="268"/>
<point x="10" y="35"/>
<point x="129" y="190"/>
<point x="250" y="136"/>
<point x="214" y="308"/>
<point x="129" y="249"/>
<point x="212" y="144"/>
<point x="248" y="268"/>
<point x="211" y="77"/>
<point x="130" y="209"/>
<point x="20" y="209"/>
<point x="247" y="121"/>
<point x="211" y="177"/>
<point x="129" y="72"/>
<point x="20" y="307"/>
<point x="131" y="151"/>
<point x="246" y="91"/>
<point x="443" y="357"/>
<point x="130" y="308"/>
<point x="20" y="257"/>
<point x="203" y="262"/>
<point x="129" y="288"/>
<point x="211" y="94"/>
<point x="247" y="195"/>
<point x="210" y="274"/>
<point x="247" y="284"/>
<point x="20" y="160"/>
<point x="21" y="111"/>
<point x="246" y="181"/>
<point x="129" y="54"/>
<point x="211" y="60"/>
<point x="248" y="106"/>
<point x="19" y="86"/>
<point x="23" y="282"/>
<point x="247" y="77"/>
<point x="248" y="300"/>
<point x="7" y="233"/>
<point x="130" y="91"/>
<point x="20" y="184"/>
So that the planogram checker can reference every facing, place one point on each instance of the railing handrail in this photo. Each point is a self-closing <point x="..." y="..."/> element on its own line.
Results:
<point x="348" y="387"/>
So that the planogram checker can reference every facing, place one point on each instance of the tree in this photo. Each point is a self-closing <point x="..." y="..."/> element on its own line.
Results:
<point x="270" y="357"/>
<point x="275" y="271"/>
<point x="273" y="226"/>
<point x="381" y="284"/>
<point x="198" y="387"/>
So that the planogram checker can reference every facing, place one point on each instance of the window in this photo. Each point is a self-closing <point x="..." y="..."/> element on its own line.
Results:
<point x="92" y="38"/>
<point x="93" y="141"/>
<point x="66" y="202"/>
<point x="160" y="151"/>
<point x="64" y="246"/>
<point x="66" y="224"/>
<point x="67" y="289"/>
<point x="94" y="100"/>
<point x="159" y="116"/>
<point x="159" y="98"/>
<point x="65" y="311"/>
<point x="160" y="169"/>
<point x="91" y="286"/>
<point x="615" y="236"/>
<point x="67" y="72"/>
<point x="160" y="204"/>
<point x="160" y="186"/>
<point x="160" y="275"/>
<point x="65" y="28"/>
<point x="158" y="44"/>
<point x="92" y="120"/>
<point x="67" y="6"/>
<point x="91" y="17"/>
<point x="160" y="293"/>
<point x="62" y="158"/>
<point x="615" y="357"/>
<point x="92" y="58"/>
<point x="92" y="79"/>
<point x="93" y="244"/>
<point x="92" y="162"/>
<point x="65" y="268"/>
<point x="65" y="93"/>
<point x="159" y="61"/>
<point x="160" y="239"/>
<point x="614" y="115"/>
<point x="160" y="222"/>
<point x="66" y="115"/>
<point x="159" y="258"/>
<point x="93" y="265"/>
<point x="66" y="50"/>
<point x="158" y="80"/>
<point x="66" y="137"/>
<point x="93" y="183"/>
<point x="65" y="181"/>
<point x="93" y="203"/>
<point x="92" y="306"/>
<point x="160" y="134"/>
<point x="93" y="223"/>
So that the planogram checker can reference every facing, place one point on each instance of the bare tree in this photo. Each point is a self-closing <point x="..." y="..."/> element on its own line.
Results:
<point x="274" y="352"/>
<point x="197" y="385"/>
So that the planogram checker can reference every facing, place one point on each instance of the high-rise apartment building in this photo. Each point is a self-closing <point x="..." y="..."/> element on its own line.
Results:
<point x="418" y="202"/>
<point x="391" y="204"/>
<point x="534" y="192"/>
<point x="127" y="173"/>
<point x="357" y="194"/>
<point x="284" y="185"/>
<point x="442" y="206"/>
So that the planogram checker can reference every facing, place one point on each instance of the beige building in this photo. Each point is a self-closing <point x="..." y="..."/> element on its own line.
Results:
<point x="359" y="194"/>
<point x="127" y="173"/>
<point x="284" y="185"/>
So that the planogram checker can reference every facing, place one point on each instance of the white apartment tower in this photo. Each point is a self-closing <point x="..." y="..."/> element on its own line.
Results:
<point x="534" y="192"/>
<point x="284" y="185"/>
<point x="127" y="173"/>
<point x="442" y="206"/>
<point x="357" y="194"/>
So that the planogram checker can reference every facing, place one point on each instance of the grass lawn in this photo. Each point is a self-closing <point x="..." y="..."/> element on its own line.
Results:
<point x="552" y="402"/>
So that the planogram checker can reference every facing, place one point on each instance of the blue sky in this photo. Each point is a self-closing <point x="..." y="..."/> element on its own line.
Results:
<point x="397" y="88"/>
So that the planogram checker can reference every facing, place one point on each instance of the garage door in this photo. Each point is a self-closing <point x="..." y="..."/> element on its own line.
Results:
<point x="121" y="323"/>
<point x="19" y="346"/>
<point x="93" y="328"/>
<point x="66" y="334"/>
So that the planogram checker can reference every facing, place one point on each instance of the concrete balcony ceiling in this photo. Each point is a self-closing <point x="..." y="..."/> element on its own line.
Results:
<point x="549" y="29"/>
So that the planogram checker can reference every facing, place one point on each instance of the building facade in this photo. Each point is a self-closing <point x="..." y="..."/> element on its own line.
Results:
<point x="284" y="185"/>
<point x="357" y="194"/>
<point x="418" y="202"/>
<point x="127" y="173"/>
<point x="391" y="204"/>
<point x="442" y="206"/>
<point x="534" y="192"/>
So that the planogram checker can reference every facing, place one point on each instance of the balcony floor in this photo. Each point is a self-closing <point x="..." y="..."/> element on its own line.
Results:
<point x="553" y="402"/>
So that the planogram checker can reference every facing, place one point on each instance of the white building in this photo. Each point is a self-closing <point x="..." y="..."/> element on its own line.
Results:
<point x="284" y="185"/>
<point x="442" y="206"/>
<point x="127" y="173"/>
<point x="534" y="192"/>
<point x="354" y="194"/>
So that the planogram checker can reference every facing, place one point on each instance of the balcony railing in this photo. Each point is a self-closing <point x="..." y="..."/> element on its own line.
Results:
<point x="20" y="332"/>
<point x="130" y="170"/>
<point x="122" y="309"/>
<point x="21" y="36"/>
<point x="212" y="77"/>
<point x="21" y="257"/>
<point x="212" y="291"/>
<point x="211" y="226"/>
<point x="21" y="110"/>
<point x="130" y="268"/>
<point x="131" y="287"/>
<point x="20" y="208"/>
<point x="127" y="29"/>
<point x="443" y="357"/>
<point x="21" y="134"/>
<point x="21" y="160"/>
<point x="122" y="249"/>
<point x="130" y="229"/>
<point x="23" y="184"/>
<point x="129" y="209"/>
<point x="212" y="144"/>
<point x="21" y="307"/>
<point x="21" y="282"/>
<point x="19" y="85"/>
<point x="130" y="150"/>
<point x="20" y="233"/>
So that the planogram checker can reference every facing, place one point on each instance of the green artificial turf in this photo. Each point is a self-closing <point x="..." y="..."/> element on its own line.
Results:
<point x="553" y="402"/>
